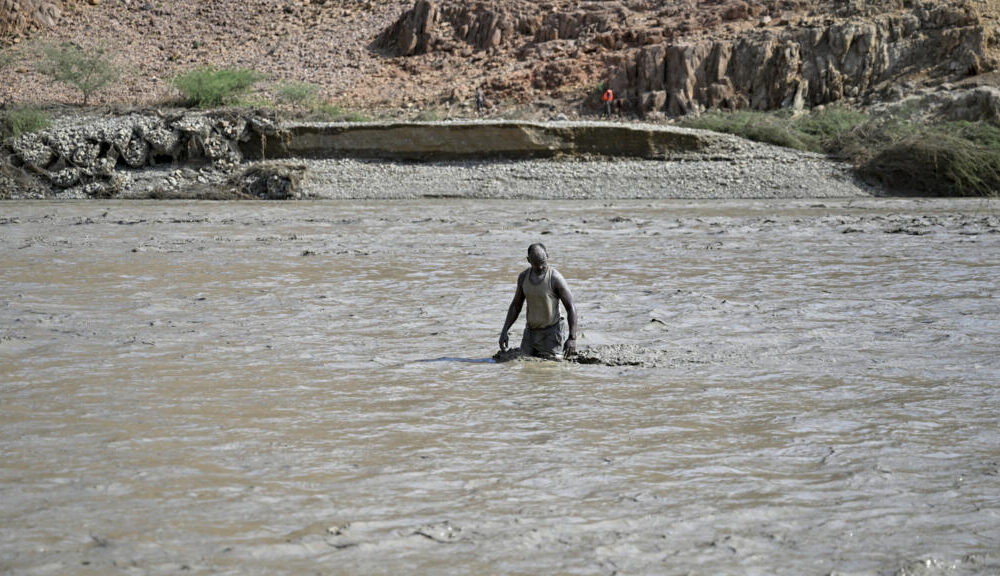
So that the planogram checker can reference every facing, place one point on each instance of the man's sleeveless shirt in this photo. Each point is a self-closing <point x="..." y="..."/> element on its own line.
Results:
<point x="543" y="304"/>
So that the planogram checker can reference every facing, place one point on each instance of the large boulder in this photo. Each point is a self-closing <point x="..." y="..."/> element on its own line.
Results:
<point x="19" y="15"/>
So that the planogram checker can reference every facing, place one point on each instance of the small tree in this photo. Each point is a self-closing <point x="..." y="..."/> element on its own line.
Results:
<point x="86" y="70"/>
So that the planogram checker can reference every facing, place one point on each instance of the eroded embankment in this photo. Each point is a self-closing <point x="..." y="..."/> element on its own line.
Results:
<point x="485" y="140"/>
<point x="225" y="154"/>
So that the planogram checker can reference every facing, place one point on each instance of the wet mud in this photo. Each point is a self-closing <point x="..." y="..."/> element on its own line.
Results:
<point x="605" y="355"/>
<point x="762" y="387"/>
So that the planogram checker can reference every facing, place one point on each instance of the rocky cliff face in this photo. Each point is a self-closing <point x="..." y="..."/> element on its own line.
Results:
<point x="810" y="63"/>
<point x="680" y="57"/>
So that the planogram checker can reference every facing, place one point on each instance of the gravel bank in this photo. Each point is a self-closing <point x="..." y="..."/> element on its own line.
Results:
<point x="778" y="174"/>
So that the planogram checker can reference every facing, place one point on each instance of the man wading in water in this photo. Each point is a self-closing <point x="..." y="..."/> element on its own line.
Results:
<point x="543" y="288"/>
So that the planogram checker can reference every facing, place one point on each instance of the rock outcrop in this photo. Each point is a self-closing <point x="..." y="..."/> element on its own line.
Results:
<point x="680" y="57"/>
<point x="809" y="64"/>
<point x="19" y="15"/>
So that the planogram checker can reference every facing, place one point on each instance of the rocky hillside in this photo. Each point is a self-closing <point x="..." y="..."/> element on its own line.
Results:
<point x="666" y="57"/>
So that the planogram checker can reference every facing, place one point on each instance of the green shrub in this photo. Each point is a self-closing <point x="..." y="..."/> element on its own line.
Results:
<point x="207" y="87"/>
<point x="940" y="160"/>
<point x="771" y="128"/>
<point x="298" y="93"/>
<point x="17" y="121"/>
<point x="85" y="70"/>
<point x="903" y="153"/>
<point x="828" y="129"/>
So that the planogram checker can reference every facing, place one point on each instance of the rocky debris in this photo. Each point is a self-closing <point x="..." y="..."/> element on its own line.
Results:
<point x="947" y="103"/>
<point x="678" y="58"/>
<point x="441" y="532"/>
<point x="816" y="62"/>
<point x="977" y="104"/>
<point x="94" y="157"/>
<point x="272" y="181"/>
<point x="17" y="16"/>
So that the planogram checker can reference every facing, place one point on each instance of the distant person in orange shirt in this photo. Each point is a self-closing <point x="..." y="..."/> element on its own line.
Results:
<point x="608" y="98"/>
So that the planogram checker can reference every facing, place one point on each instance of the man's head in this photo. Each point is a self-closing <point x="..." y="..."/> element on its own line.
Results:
<point x="537" y="256"/>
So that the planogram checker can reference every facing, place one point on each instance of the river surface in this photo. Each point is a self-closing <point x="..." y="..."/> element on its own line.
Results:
<point x="253" y="388"/>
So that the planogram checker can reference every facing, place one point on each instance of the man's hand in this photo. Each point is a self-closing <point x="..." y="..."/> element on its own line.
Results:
<point x="504" y="341"/>
<point x="569" y="349"/>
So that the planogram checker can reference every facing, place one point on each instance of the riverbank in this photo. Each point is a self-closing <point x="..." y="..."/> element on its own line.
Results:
<point x="240" y="155"/>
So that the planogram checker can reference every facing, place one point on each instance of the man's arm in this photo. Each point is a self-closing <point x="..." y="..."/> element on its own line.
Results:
<point x="512" y="313"/>
<point x="564" y="294"/>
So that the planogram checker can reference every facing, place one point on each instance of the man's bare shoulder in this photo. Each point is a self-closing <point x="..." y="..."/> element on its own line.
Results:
<point x="557" y="277"/>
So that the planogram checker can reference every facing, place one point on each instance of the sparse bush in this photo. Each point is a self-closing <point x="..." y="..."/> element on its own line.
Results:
<point x="207" y="87"/>
<point x="87" y="70"/>
<point x="430" y="115"/>
<point x="298" y="94"/>
<point x="826" y="129"/>
<point x="17" y="121"/>
<point x="334" y="113"/>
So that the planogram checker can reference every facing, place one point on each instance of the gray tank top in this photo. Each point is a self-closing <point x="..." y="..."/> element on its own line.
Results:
<point x="543" y="304"/>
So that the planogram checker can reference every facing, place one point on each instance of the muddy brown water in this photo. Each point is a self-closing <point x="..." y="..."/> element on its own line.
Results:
<point x="306" y="388"/>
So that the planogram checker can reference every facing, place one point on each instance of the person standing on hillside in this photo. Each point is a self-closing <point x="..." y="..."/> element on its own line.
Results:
<point x="608" y="97"/>
<point x="480" y="100"/>
<point x="542" y="287"/>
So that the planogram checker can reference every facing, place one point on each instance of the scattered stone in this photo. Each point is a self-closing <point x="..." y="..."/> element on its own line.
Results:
<point x="272" y="181"/>
<point x="442" y="532"/>
<point x="66" y="178"/>
<point x="33" y="151"/>
<point x="135" y="152"/>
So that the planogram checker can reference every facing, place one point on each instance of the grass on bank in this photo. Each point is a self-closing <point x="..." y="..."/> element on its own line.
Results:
<point x="904" y="154"/>
<point x="17" y="121"/>
<point x="208" y="87"/>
